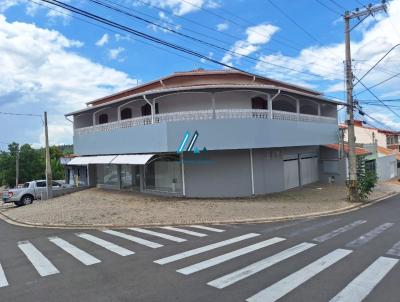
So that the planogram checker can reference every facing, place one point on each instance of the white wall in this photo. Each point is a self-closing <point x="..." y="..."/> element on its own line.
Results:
<point x="184" y="102"/>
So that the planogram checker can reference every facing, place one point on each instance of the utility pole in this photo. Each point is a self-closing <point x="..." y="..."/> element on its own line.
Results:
<point x="360" y="14"/>
<point x="17" y="168"/>
<point x="49" y="180"/>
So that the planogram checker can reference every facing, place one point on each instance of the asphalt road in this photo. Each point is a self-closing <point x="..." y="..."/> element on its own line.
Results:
<point x="347" y="257"/>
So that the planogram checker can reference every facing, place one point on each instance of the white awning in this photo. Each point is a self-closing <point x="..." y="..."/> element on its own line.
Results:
<point x="134" y="159"/>
<point x="86" y="160"/>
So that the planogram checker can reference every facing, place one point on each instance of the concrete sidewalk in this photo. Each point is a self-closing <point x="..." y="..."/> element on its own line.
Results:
<point x="97" y="207"/>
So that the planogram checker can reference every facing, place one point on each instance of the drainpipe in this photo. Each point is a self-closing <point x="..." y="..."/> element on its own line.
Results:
<point x="252" y="172"/>
<point x="213" y="105"/>
<point x="270" y="100"/>
<point x="151" y="106"/>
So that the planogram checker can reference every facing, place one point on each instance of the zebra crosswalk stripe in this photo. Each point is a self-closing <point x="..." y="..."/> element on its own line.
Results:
<point x="138" y="240"/>
<point x="228" y="256"/>
<point x="197" y="234"/>
<point x="158" y="234"/>
<point x="259" y="266"/>
<point x="43" y="266"/>
<point x="202" y="227"/>
<point x="286" y="285"/>
<point x="205" y="248"/>
<point x="106" y="244"/>
<point x="74" y="251"/>
<point x="395" y="250"/>
<point x="363" y="239"/>
<point x="3" y="279"/>
<point x="364" y="283"/>
<point x="338" y="231"/>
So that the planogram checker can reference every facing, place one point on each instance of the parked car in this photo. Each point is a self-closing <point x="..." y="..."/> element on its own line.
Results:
<point x="29" y="192"/>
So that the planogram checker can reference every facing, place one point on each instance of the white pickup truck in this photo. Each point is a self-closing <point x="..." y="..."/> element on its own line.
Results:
<point x="29" y="192"/>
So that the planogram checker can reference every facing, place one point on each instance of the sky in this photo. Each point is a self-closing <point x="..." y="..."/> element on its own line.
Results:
<point x="55" y="61"/>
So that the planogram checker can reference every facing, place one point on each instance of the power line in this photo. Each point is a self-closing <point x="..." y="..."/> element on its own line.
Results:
<point x="20" y="114"/>
<point x="380" y="60"/>
<point x="293" y="21"/>
<point x="118" y="32"/>
<point x="338" y="5"/>
<point x="98" y="2"/>
<point x="160" y="41"/>
<point x="374" y="95"/>
<point x="378" y="84"/>
<point x="328" y="7"/>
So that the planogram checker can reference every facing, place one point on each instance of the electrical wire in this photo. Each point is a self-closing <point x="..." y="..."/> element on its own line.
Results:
<point x="161" y="41"/>
<point x="338" y="5"/>
<point x="328" y="8"/>
<point x="380" y="60"/>
<point x="378" y="84"/>
<point x="375" y="96"/>
<point x="214" y="46"/>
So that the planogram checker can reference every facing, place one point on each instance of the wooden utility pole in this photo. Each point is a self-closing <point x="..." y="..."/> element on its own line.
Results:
<point x="17" y="168"/>
<point x="49" y="180"/>
<point x="358" y="13"/>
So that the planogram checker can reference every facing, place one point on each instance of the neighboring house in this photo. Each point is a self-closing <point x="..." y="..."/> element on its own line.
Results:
<point x="335" y="162"/>
<point x="383" y="145"/>
<point x="205" y="134"/>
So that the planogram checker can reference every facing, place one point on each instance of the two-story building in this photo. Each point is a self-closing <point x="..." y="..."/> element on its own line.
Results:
<point x="205" y="134"/>
<point x="383" y="145"/>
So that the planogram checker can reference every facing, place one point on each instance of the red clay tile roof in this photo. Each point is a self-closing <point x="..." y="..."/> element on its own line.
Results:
<point x="202" y="77"/>
<point x="388" y="152"/>
<point x="359" y="151"/>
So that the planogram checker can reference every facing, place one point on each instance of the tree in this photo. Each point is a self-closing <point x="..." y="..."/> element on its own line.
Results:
<point x="367" y="179"/>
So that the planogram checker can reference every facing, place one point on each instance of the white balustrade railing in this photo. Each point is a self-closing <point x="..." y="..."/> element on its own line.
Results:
<point x="205" y="115"/>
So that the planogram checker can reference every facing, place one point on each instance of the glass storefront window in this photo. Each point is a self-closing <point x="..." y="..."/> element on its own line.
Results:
<point x="164" y="174"/>
<point x="108" y="176"/>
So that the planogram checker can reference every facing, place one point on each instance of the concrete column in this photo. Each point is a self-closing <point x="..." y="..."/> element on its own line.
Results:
<point x="252" y="172"/>
<point x="270" y="115"/>
<point x="319" y="109"/>
<point x="183" y="176"/>
<point x="298" y="108"/>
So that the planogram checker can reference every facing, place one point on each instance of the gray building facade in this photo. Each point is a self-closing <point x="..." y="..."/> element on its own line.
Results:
<point x="205" y="134"/>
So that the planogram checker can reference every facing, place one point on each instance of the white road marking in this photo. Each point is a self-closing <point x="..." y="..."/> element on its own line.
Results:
<point x="141" y="241"/>
<point x="106" y="244"/>
<point x="3" y="279"/>
<point x="202" y="227"/>
<point x="369" y="236"/>
<point x="185" y="231"/>
<point x="258" y="266"/>
<point x="75" y="252"/>
<point x="228" y="256"/>
<point x="365" y="282"/>
<point x="157" y="234"/>
<point x="43" y="266"/>
<point x="312" y="227"/>
<point x="205" y="248"/>
<point x="286" y="285"/>
<point x="339" y="231"/>
<point x="395" y="250"/>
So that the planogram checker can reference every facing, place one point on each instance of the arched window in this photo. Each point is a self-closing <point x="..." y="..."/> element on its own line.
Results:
<point x="328" y="110"/>
<point x="126" y="113"/>
<point x="308" y="107"/>
<point x="103" y="118"/>
<point x="284" y="104"/>
<point x="259" y="103"/>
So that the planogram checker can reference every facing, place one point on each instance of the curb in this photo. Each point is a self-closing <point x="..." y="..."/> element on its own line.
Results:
<point x="351" y="208"/>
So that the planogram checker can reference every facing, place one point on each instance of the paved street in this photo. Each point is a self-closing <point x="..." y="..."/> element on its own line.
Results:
<point x="347" y="257"/>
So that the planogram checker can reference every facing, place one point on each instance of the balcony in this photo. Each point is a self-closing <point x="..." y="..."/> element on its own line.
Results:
<point x="218" y="130"/>
<point x="201" y="115"/>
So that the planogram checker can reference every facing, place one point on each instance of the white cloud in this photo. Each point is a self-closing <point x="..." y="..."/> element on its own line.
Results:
<point x="180" y="7"/>
<point x="377" y="37"/>
<point x="222" y="26"/>
<point x="31" y="9"/>
<point x="256" y="36"/>
<point x="114" y="53"/>
<point x="40" y="70"/>
<point x="103" y="40"/>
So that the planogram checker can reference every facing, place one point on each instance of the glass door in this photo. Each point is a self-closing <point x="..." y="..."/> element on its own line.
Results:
<point x="126" y="177"/>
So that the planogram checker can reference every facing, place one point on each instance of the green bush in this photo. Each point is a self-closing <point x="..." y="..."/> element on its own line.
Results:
<point x="367" y="179"/>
